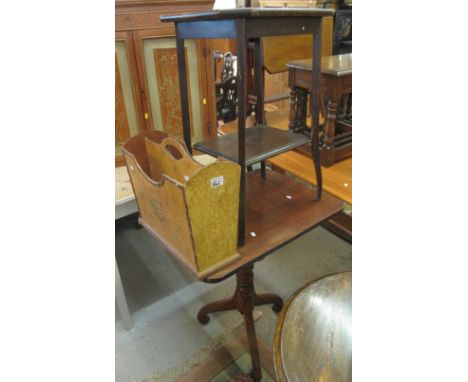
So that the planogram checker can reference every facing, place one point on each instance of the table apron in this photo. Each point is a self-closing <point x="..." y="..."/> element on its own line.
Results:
<point x="254" y="28"/>
<point x="207" y="29"/>
<point x="279" y="26"/>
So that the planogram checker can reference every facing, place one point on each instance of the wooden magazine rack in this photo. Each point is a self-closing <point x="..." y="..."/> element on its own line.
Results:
<point x="191" y="208"/>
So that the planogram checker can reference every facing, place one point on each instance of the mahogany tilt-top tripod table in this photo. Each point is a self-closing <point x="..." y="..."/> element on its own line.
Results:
<point x="273" y="208"/>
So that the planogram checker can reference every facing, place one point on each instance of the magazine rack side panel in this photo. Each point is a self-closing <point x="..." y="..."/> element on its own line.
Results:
<point x="163" y="212"/>
<point x="212" y="197"/>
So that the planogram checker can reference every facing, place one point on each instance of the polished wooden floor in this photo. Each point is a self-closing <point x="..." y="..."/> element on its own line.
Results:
<point x="337" y="179"/>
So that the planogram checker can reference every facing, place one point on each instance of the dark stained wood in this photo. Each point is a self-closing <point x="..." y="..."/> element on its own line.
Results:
<point x="261" y="142"/>
<point x="337" y="181"/>
<point x="222" y="358"/>
<point x="184" y="92"/>
<point x="341" y="225"/>
<point x="335" y="84"/>
<point x="275" y="219"/>
<point x="273" y="209"/>
<point x="314" y="111"/>
<point x="321" y="350"/>
<point x="244" y="300"/>
<point x="241" y="45"/>
<point x="246" y="13"/>
<point x="259" y="88"/>
<point x="245" y="24"/>
<point x="208" y="29"/>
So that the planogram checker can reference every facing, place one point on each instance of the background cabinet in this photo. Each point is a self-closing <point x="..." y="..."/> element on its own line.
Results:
<point x="146" y="76"/>
<point x="128" y="117"/>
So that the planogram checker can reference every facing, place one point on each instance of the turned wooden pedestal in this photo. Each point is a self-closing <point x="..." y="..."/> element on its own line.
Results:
<point x="279" y="210"/>
<point x="244" y="300"/>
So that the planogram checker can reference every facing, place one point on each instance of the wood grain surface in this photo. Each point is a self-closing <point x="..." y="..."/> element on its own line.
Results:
<point x="337" y="179"/>
<point x="192" y="209"/>
<point x="313" y="340"/>
<point x="165" y="60"/>
<point x="279" y="50"/>
<point x="279" y="209"/>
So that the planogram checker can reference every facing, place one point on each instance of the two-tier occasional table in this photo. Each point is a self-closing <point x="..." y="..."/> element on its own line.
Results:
<point x="273" y="209"/>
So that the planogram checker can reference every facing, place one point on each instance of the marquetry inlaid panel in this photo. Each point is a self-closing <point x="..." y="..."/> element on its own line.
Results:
<point x="162" y="81"/>
<point x="169" y="92"/>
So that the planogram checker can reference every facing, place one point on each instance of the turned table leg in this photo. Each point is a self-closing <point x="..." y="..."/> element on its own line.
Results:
<point x="292" y="109"/>
<point x="328" y="146"/>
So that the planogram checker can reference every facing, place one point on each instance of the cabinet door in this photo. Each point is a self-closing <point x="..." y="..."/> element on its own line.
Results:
<point x="128" y="115"/>
<point x="159" y="79"/>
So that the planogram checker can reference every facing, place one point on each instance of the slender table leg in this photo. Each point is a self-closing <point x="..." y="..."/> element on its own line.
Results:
<point x="241" y="116"/>
<point x="121" y="300"/>
<point x="315" y="108"/>
<point x="184" y="96"/>
<point x="259" y="87"/>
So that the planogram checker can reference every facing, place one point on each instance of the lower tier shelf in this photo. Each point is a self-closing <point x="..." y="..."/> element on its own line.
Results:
<point x="261" y="143"/>
<point x="279" y="209"/>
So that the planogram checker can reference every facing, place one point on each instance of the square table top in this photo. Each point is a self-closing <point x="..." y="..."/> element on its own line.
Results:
<point x="238" y="13"/>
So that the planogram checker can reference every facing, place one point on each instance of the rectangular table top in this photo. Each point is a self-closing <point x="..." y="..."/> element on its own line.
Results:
<point x="339" y="65"/>
<point x="238" y="13"/>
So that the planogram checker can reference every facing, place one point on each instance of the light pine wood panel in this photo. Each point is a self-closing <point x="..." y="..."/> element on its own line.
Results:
<point x="279" y="50"/>
<point x="337" y="179"/>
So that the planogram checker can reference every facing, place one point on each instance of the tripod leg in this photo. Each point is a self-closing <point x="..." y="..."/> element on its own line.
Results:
<point x="216" y="306"/>
<point x="269" y="298"/>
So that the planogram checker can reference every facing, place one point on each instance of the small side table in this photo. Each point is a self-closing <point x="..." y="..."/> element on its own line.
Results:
<point x="336" y="86"/>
